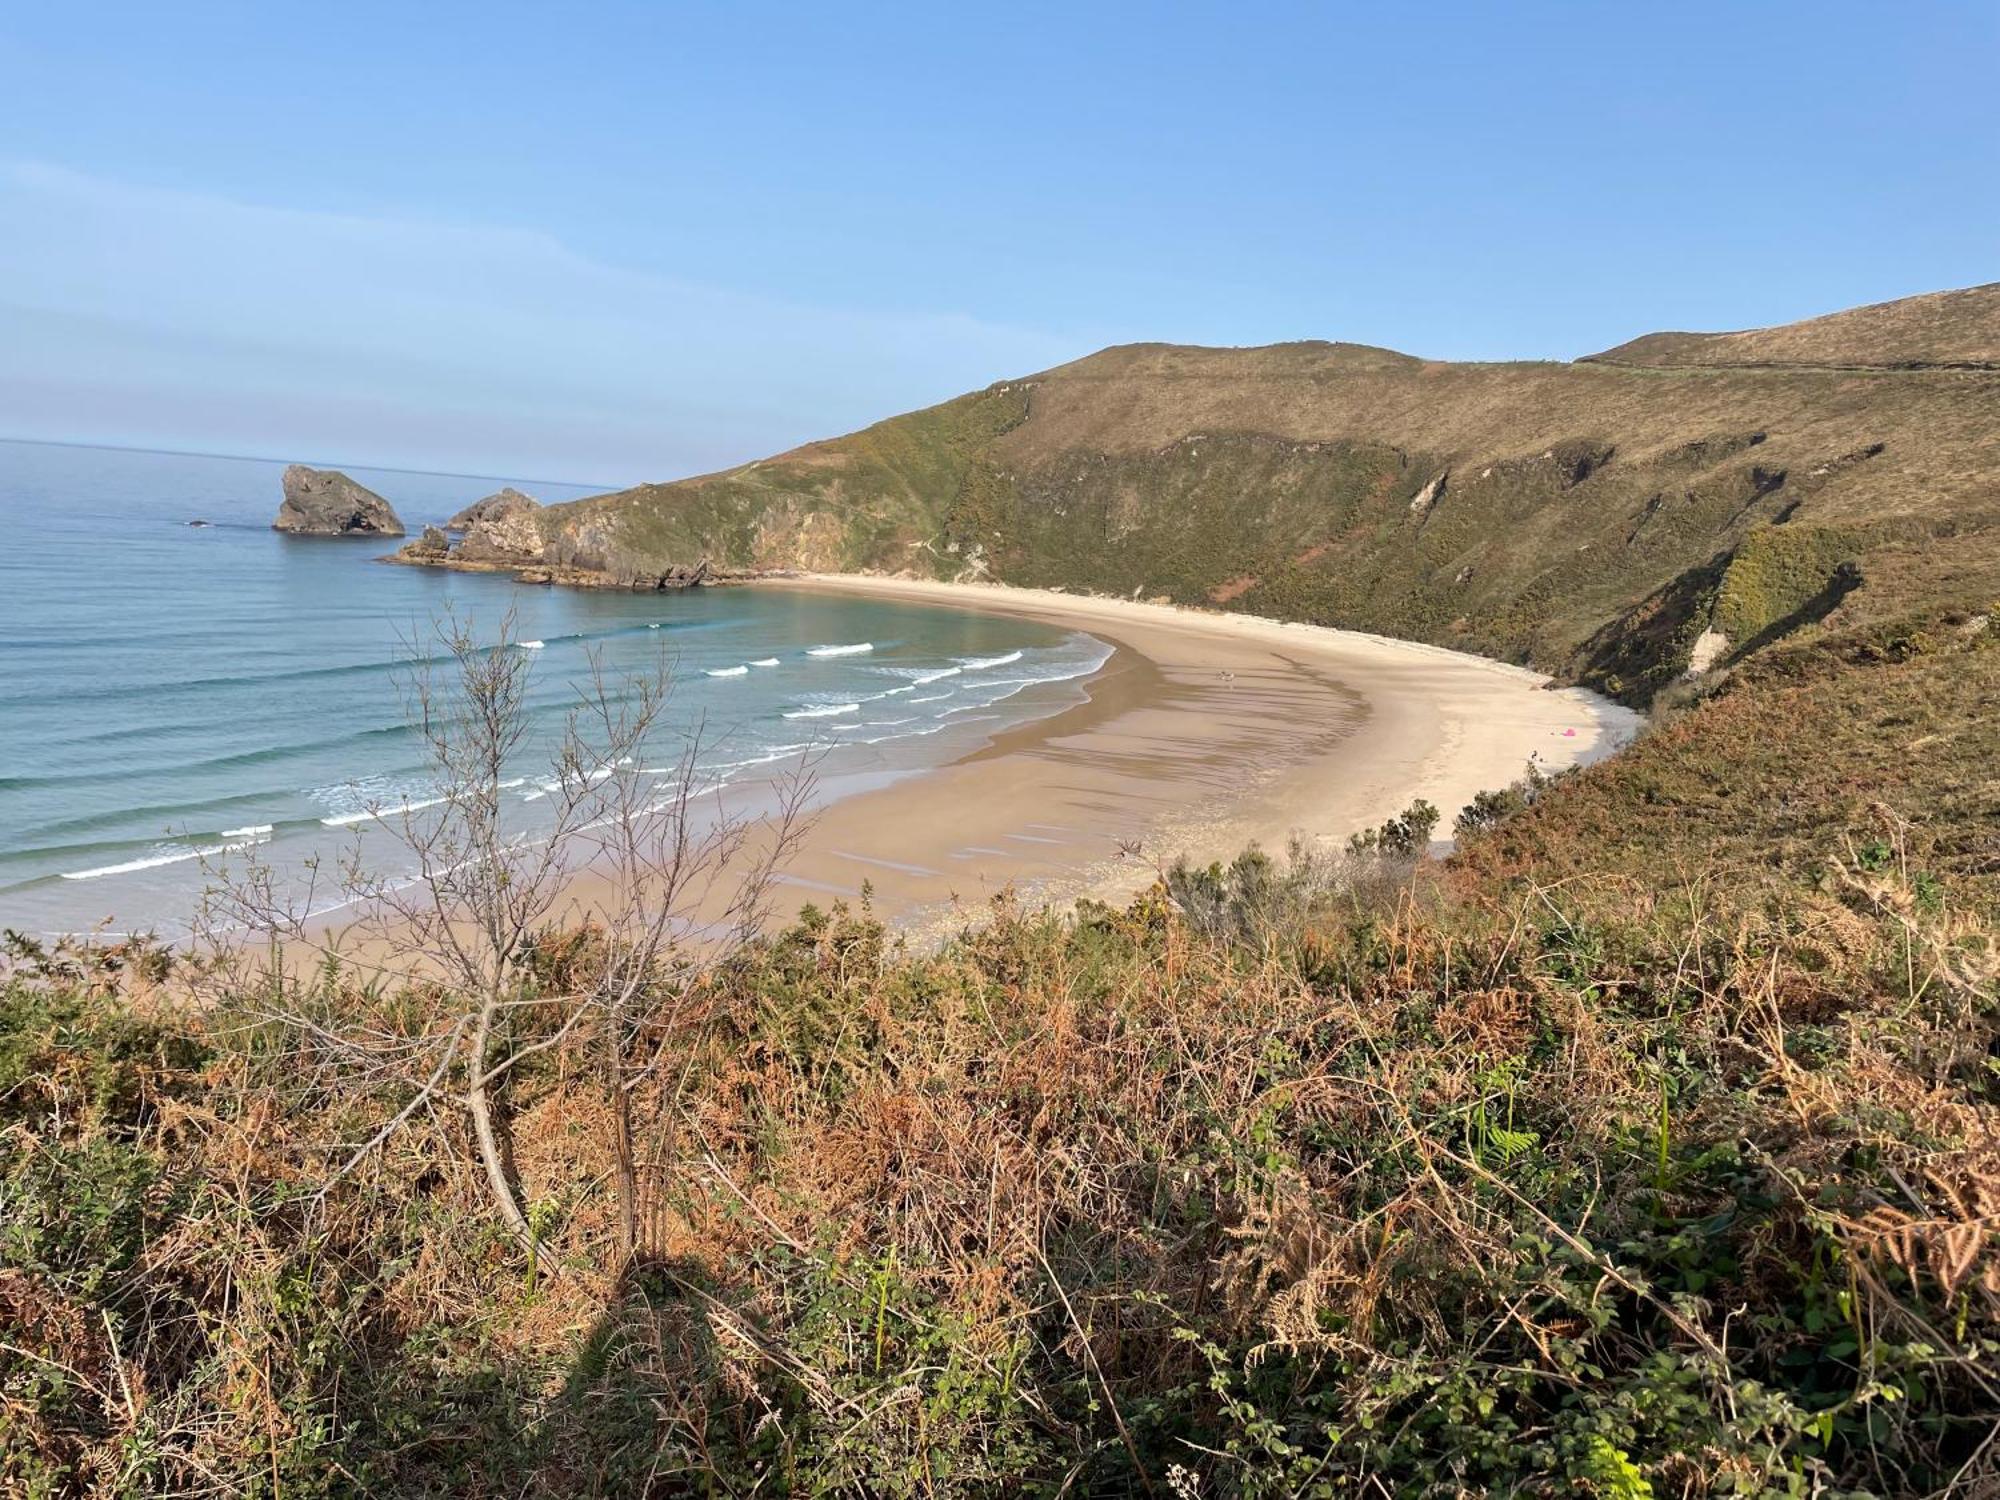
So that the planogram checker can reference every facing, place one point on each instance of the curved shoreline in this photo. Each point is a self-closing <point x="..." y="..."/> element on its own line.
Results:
<point x="1205" y="731"/>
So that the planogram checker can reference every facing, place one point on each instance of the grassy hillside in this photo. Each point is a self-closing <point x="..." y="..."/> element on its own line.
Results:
<point x="1593" y="519"/>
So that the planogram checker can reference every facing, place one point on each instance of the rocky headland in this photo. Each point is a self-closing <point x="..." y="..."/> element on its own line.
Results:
<point x="509" y="532"/>
<point x="325" y="502"/>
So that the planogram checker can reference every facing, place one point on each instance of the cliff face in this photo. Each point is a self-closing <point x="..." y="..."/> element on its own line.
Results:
<point x="501" y="527"/>
<point x="1596" y="519"/>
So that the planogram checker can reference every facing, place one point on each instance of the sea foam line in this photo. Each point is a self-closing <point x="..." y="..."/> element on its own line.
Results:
<point x="343" y="820"/>
<point x="823" y="710"/>
<point x="853" y="650"/>
<point x="178" y="856"/>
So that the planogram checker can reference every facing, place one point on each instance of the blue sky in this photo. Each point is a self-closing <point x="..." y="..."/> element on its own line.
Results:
<point x="610" y="242"/>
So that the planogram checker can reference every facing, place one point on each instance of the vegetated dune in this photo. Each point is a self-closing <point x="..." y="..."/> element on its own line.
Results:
<point x="1595" y="519"/>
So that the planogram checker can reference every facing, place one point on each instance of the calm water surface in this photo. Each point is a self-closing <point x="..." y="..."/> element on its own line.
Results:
<point x="168" y="691"/>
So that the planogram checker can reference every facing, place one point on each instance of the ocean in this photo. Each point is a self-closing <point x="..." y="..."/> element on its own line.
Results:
<point x="173" y="696"/>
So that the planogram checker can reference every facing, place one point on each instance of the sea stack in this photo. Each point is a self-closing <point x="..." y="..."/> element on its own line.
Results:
<point x="325" y="502"/>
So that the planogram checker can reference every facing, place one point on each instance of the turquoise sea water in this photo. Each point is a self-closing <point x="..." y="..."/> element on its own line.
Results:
<point x="169" y="693"/>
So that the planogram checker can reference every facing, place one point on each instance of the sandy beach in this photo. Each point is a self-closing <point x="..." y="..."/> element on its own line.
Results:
<point x="1203" y="733"/>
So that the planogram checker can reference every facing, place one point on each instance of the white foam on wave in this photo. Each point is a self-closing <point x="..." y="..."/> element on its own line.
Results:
<point x="368" y="814"/>
<point x="823" y="710"/>
<point x="932" y="698"/>
<point x="925" y="679"/>
<point x="532" y="645"/>
<point x="776" y="752"/>
<point x="589" y="778"/>
<point x="728" y="671"/>
<point x="239" y="839"/>
<point x="981" y="663"/>
<point x="151" y="862"/>
<point x="765" y="661"/>
<point x="854" y="650"/>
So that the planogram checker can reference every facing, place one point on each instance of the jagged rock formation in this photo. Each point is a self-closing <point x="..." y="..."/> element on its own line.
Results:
<point x="503" y="528"/>
<point x="1596" y="515"/>
<point x="325" y="502"/>
<point x="501" y="499"/>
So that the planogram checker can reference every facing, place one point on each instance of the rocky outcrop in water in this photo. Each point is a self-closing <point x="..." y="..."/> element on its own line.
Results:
<point x="325" y="502"/>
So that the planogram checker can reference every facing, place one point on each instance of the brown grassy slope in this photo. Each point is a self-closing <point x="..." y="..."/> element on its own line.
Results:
<point x="1942" y="328"/>
<point x="1804" y="757"/>
<point x="1584" y="517"/>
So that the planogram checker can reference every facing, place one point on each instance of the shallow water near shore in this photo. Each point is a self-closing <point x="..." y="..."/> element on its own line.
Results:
<point x="172" y="694"/>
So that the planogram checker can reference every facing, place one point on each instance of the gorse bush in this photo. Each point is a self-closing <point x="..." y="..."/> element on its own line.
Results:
<point x="1405" y="836"/>
<point x="1491" y="808"/>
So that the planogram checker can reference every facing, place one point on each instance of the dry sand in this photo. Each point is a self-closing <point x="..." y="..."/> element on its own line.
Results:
<point x="1204" y="732"/>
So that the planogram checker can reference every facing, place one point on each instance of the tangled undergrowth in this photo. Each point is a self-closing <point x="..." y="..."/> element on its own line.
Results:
<point x="1341" y="1176"/>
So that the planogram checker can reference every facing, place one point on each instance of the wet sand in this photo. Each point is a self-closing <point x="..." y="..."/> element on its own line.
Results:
<point x="1204" y="732"/>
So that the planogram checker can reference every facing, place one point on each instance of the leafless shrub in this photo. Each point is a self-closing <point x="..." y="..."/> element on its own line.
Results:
<point x="450" y="937"/>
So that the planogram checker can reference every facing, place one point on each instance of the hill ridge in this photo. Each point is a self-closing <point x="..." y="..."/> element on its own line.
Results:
<point x="1593" y="518"/>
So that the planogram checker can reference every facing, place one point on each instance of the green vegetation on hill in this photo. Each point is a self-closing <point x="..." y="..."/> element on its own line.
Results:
<point x="1593" y="519"/>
